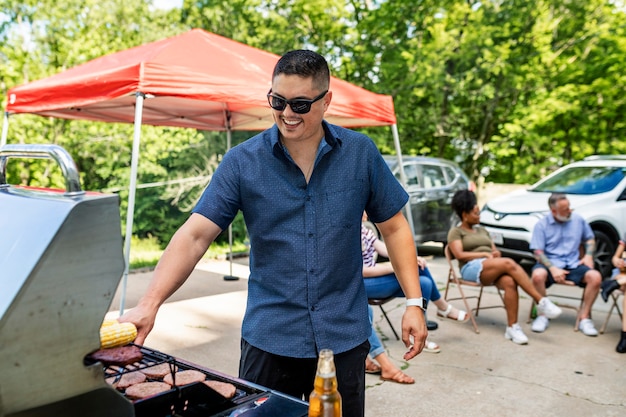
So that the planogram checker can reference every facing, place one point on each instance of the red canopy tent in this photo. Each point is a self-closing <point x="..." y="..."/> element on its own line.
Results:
<point x="197" y="79"/>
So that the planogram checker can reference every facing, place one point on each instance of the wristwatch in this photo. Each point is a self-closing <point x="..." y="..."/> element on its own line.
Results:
<point x="417" y="302"/>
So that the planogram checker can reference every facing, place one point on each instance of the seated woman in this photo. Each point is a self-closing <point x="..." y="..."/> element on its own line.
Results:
<point x="480" y="261"/>
<point x="386" y="368"/>
<point x="381" y="282"/>
<point x="618" y="281"/>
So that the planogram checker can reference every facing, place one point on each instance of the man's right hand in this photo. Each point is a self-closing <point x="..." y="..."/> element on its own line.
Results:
<point x="143" y="318"/>
<point x="559" y="275"/>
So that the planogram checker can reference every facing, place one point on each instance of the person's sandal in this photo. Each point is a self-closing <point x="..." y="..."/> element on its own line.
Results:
<point x="399" y="378"/>
<point x="431" y="347"/>
<point x="372" y="368"/>
<point x="461" y="316"/>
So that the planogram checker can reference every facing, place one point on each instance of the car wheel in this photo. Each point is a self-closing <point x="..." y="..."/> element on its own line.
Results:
<point x="605" y="248"/>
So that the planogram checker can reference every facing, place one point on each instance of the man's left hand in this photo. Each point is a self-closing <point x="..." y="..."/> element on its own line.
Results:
<point x="588" y="261"/>
<point x="414" y="331"/>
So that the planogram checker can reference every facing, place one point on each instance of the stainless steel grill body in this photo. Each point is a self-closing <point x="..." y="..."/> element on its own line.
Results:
<point x="60" y="264"/>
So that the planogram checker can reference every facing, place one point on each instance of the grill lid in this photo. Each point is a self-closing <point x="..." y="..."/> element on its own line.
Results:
<point x="60" y="264"/>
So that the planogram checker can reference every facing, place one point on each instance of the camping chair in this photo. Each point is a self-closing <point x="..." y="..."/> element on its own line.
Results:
<point x="454" y="277"/>
<point x="614" y="306"/>
<point x="379" y="302"/>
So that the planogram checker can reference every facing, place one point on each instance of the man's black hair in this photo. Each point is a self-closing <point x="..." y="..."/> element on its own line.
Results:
<point x="305" y="64"/>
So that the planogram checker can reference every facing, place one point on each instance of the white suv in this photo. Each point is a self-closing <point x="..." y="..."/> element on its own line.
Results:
<point x="596" y="188"/>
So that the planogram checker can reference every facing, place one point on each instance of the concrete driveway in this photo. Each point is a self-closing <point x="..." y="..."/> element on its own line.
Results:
<point x="559" y="373"/>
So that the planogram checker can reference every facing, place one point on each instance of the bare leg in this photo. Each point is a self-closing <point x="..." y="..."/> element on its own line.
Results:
<point x="511" y="297"/>
<point x="539" y="278"/>
<point x="496" y="267"/>
<point x="592" y="279"/>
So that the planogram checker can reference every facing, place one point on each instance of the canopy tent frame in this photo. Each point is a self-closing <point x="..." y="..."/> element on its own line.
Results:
<point x="132" y="188"/>
<point x="182" y="102"/>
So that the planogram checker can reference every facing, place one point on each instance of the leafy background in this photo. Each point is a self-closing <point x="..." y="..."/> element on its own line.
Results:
<point x="509" y="89"/>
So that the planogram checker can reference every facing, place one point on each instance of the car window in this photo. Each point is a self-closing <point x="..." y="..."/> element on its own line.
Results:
<point x="451" y="174"/>
<point x="583" y="180"/>
<point x="433" y="176"/>
<point x="410" y="171"/>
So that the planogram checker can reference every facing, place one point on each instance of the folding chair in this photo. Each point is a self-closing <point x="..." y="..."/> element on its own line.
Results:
<point x="379" y="302"/>
<point x="533" y="312"/>
<point x="614" y="306"/>
<point x="454" y="277"/>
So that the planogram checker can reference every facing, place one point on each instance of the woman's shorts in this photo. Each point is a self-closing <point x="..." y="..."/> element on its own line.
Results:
<point x="471" y="271"/>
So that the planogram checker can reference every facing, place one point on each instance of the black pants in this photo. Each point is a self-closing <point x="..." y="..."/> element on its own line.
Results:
<point x="295" y="376"/>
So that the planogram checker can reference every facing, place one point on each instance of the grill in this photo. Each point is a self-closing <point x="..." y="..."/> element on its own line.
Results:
<point x="197" y="399"/>
<point x="60" y="265"/>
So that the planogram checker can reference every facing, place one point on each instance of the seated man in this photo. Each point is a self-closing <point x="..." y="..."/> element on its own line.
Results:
<point x="556" y="242"/>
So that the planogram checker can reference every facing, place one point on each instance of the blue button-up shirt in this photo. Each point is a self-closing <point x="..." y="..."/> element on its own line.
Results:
<point x="305" y="290"/>
<point x="561" y="241"/>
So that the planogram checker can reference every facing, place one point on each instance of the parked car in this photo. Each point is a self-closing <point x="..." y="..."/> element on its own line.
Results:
<point x="596" y="188"/>
<point x="431" y="183"/>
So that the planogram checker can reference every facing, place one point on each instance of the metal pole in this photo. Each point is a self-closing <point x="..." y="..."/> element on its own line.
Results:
<point x="229" y="277"/>
<point x="5" y="129"/>
<point x="131" y="193"/>
<point x="407" y="207"/>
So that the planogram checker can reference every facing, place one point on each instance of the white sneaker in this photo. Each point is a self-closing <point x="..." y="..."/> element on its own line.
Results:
<point x="586" y="326"/>
<point x="548" y="308"/>
<point x="540" y="324"/>
<point x="516" y="335"/>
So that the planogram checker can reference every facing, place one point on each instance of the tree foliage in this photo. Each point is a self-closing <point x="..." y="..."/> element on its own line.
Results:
<point x="510" y="90"/>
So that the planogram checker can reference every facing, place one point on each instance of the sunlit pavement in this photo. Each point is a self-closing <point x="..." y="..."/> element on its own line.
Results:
<point x="560" y="372"/>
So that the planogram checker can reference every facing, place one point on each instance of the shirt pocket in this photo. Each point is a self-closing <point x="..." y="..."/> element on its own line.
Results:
<point x="345" y="205"/>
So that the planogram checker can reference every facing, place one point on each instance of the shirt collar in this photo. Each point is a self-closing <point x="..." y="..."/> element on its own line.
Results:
<point x="331" y="138"/>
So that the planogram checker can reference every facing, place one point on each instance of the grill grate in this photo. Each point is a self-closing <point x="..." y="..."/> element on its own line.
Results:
<point x="189" y="400"/>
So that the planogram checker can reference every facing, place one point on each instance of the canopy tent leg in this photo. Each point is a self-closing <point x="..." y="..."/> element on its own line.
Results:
<point x="5" y="129"/>
<point x="229" y="277"/>
<point x="407" y="207"/>
<point x="131" y="194"/>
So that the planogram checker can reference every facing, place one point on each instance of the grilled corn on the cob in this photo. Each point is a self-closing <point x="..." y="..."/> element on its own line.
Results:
<point x="113" y="334"/>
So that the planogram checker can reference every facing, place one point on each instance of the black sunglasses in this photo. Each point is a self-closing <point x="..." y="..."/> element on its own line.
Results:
<point x="299" y="105"/>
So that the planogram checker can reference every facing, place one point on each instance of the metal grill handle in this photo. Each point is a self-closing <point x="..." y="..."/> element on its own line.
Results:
<point x="55" y="152"/>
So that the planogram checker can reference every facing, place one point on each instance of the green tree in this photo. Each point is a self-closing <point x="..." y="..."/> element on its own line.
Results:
<point x="511" y="90"/>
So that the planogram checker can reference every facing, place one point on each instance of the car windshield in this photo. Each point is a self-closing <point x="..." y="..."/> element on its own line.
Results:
<point x="583" y="180"/>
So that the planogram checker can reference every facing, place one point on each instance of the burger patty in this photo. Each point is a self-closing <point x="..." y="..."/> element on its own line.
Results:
<point x="121" y="356"/>
<point x="146" y="389"/>
<point x="184" y="377"/>
<point x="225" y="389"/>
<point x="126" y="379"/>
<point x="159" y="371"/>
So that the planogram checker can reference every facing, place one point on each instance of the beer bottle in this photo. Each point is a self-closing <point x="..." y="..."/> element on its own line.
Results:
<point x="325" y="400"/>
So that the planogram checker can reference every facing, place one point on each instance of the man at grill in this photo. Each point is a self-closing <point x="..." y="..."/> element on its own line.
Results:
<point x="302" y="187"/>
